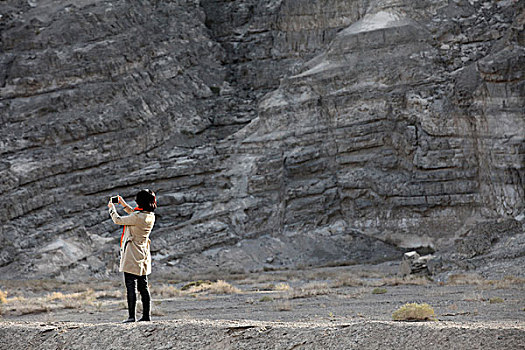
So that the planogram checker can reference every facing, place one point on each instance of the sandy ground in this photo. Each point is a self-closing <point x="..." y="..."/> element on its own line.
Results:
<point x="331" y="308"/>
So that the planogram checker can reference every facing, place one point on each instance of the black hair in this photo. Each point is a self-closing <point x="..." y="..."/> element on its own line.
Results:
<point x="146" y="200"/>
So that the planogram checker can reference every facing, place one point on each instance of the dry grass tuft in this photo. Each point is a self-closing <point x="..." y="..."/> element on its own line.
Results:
<point x="86" y="296"/>
<point x="348" y="281"/>
<point x="72" y="300"/>
<point x="405" y="281"/>
<point x="3" y="297"/>
<point x="166" y="291"/>
<point x="17" y="299"/>
<point x="219" y="287"/>
<point x="282" y="287"/>
<point x="107" y="294"/>
<point x="309" y="290"/>
<point x="477" y="280"/>
<point x="353" y="281"/>
<point x="514" y="280"/>
<point x="414" y="312"/>
<point x="55" y="296"/>
<point x="194" y="284"/>
<point x="223" y="287"/>
<point x="465" y="279"/>
<point x="54" y="301"/>
<point x="3" y="300"/>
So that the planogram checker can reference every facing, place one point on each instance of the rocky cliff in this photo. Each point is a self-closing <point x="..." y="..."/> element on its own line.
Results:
<point x="277" y="133"/>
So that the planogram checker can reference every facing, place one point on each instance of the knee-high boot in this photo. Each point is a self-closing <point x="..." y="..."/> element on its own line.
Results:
<point x="146" y="308"/>
<point x="131" y="296"/>
<point x="132" y="302"/>
<point x="142" y="282"/>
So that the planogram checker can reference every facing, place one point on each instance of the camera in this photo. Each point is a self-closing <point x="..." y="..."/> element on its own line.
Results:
<point x="114" y="200"/>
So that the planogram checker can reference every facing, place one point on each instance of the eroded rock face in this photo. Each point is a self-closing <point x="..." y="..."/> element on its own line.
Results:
<point x="276" y="133"/>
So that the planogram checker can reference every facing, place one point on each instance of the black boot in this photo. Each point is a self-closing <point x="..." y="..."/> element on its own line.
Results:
<point x="132" y="301"/>
<point x="146" y="299"/>
<point x="144" y="319"/>
<point x="146" y="308"/>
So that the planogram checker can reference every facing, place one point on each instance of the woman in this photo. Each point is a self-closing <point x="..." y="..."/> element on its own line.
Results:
<point x="135" y="256"/>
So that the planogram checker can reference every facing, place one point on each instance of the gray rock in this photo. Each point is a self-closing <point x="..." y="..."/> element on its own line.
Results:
<point x="414" y="264"/>
<point x="312" y="132"/>
<point x="483" y="237"/>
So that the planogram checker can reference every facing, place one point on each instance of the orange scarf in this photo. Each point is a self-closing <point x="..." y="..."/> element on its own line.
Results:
<point x="124" y="228"/>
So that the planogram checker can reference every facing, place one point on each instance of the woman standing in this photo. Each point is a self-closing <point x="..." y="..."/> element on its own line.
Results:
<point x="135" y="256"/>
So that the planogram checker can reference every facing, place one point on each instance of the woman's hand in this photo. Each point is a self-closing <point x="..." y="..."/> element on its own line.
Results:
<point x="110" y="204"/>
<point x="122" y="201"/>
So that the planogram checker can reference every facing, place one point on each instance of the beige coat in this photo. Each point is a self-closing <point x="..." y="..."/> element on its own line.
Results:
<point x="135" y="255"/>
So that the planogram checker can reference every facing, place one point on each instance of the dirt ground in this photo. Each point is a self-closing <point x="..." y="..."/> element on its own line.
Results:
<point x="312" y="304"/>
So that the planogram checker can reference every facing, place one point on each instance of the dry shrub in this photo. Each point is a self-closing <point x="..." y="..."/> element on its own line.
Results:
<point x="496" y="300"/>
<point x="265" y="299"/>
<point x="219" y="287"/>
<point x="192" y="285"/>
<point x="166" y="291"/>
<point x="223" y="287"/>
<point x="115" y="294"/>
<point x="379" y="291"/>
<point x="414" y="312"/>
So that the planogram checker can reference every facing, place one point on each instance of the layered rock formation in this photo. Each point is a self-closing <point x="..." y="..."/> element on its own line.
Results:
<point x="277" y="133"/>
